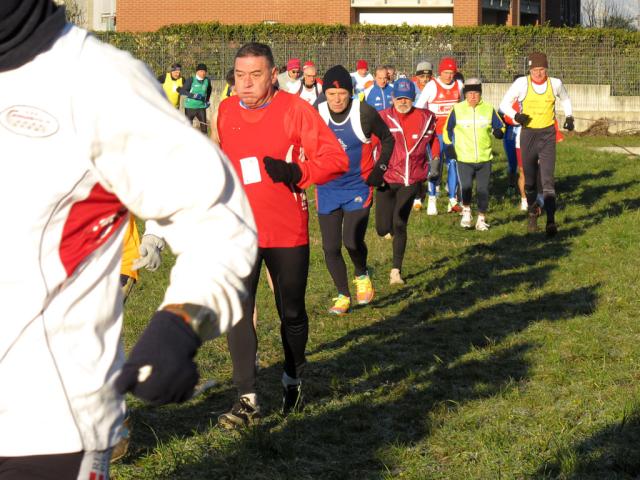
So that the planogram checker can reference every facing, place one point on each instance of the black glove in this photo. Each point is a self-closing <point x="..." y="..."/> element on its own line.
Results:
<point x="568" y="124"/>
<point x="522" y="118"/>
<point x="160" y="368"/>
<point x="376" y="177"/>
<point x="434" y="169"/>
<point x="281" y="171"/>
<point x="450" y="150"/>
<point x="498" y="133"/>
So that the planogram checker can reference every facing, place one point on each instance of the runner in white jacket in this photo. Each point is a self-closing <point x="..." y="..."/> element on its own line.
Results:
<point x="77" y="157"/>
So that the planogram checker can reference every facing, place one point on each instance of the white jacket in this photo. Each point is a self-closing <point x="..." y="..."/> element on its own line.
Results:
<point x="78" y="155"/>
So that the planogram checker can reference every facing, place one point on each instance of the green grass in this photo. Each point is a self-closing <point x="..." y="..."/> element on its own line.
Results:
<point x="506" y="356"/>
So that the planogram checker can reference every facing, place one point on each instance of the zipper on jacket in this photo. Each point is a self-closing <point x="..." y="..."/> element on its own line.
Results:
<point x="475" y="134"/>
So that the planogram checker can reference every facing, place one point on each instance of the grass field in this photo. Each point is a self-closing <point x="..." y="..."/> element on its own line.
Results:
<point x="505" y="356"/>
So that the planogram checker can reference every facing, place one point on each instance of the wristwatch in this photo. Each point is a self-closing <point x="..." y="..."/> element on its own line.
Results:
<point x="203" y="320"/>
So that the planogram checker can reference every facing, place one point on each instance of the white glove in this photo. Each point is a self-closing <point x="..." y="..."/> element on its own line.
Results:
<point x="149" y="250"/>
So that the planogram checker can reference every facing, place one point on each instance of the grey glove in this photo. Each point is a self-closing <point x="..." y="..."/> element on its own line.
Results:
<point x="434" y="169"/>
<point x="149" y="250"/>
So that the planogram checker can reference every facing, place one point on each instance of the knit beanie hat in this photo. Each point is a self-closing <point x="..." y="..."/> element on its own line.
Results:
<point x="27" y="28"/>
<point x="201" y="66"/>
<point x="472" y="85"/>
<point x="360" y="64"/>
<point x="293" y="64"/>
<point x="337" y="77"/>
<point x="537" y="60"/>
<point x="447" y="63"/>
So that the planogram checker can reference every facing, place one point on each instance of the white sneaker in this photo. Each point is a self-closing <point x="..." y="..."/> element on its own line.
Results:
<point x="417" y="204"/>
<point x="524" y="206"/>
<point x="388" y="236"/>
<point x="437" y="189"/>
<point x="395" y="278"/>
<point x="432" y="206"/>
<point x="481" y="225"/>
<point x="466" y="217"/>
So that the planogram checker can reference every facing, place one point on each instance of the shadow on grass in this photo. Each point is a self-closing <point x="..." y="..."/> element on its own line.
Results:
<point x="383" y="381"/>
<point x="380" y="382"/>
<point x="611" y="453"/>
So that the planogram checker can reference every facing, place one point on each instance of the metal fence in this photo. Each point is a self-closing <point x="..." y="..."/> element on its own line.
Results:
<point x="492" y="58"/>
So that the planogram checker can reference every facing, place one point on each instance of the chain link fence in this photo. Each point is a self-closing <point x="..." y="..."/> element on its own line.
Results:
<point x="490" y="57"/>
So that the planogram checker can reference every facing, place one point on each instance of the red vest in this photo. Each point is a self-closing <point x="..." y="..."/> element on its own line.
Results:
<point x="444" y="101"/>
<point x="280" y="211"/>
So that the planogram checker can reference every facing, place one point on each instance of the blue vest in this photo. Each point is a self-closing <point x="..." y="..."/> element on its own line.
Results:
<point x="379" y="98"/>
<point x="349" y="191"/>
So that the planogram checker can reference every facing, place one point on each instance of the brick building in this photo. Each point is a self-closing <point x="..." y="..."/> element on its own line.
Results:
<point x="149" y="15"/>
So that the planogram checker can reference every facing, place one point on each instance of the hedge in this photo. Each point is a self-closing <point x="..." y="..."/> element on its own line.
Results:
<point x="495" y="53"/>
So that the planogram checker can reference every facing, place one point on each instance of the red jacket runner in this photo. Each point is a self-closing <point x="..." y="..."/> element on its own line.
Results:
<point x="289" y="129"/>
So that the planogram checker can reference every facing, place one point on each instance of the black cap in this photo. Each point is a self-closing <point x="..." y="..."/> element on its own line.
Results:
<point x="337" y="77"/>
<point x="176" y="66"/>
<point x="201" y="66"/>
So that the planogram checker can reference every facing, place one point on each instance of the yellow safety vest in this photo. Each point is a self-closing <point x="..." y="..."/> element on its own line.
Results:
<point x="540" y="107"/>
<point x="130" y="249"/>
<point x="170" y="87"/>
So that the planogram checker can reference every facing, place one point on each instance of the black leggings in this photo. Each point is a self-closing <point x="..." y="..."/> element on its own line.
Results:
<point x="200" y="114"/>
<point x="539" y="161"/>
<point x="481" y="172"/>
<point x="62" y="466"/>
<point x="289" y="268"/>
<point x="393" y="207"/>
<point x="41" y="467"/>
<point x="349" y="228"/>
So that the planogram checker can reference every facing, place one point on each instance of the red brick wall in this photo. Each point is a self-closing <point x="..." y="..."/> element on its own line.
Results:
<point x="467" y="12"/>
<point x="149" y="15"/>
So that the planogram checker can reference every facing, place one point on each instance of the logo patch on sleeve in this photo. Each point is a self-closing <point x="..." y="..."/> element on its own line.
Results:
<point x="29" y="121"/>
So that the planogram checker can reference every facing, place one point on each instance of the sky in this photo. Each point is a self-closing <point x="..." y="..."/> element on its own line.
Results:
<point x="629" y="7"/>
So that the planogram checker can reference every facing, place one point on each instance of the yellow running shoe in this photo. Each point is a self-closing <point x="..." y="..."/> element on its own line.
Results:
<point x="364" y="289"/>
<point x="341" y="305"/>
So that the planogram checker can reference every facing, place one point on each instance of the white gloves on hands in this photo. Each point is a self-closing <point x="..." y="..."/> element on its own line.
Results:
<point x="149" y="250"/>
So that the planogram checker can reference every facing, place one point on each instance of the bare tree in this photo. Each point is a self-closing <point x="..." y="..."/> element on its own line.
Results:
<point x="605" y="14"/>
<point x="73" y="11"/>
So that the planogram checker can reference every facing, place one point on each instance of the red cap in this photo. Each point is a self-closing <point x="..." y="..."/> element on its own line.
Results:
<point x="294" y="63"/>
<point x="448" y="63"/>
<point x="362" y="64"/>
<point x="308" y="64"/>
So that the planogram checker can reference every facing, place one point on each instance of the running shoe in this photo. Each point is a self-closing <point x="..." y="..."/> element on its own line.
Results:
<point x="466" y="217"/>
<point x="454" y="206"/>
<point x="341" y="305"/>
<point x="432" y="206"/>
<point x="481" y="225"/>
<point x="417" y="204"/>
<point x="122" y="447"/>
<point x="244" y="413"/>
<point x="364" y="289"/>
<point x="395" y="278"/>
<point x="551" y="229"/>
<point x="524" y="206"/>
<point x="532" y="226"/>
<point x="291" y="399"/>
<point x="388" y="236"/>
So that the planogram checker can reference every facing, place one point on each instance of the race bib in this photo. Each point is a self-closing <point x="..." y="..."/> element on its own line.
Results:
<point x="250" y="170"/>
